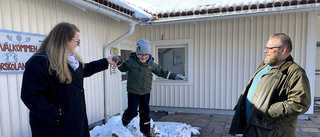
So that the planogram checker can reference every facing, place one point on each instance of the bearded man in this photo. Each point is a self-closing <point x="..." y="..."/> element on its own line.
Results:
<point x="277" y="93"/>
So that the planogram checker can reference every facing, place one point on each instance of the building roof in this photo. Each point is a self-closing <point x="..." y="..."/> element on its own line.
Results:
<point x="168" y="11"/>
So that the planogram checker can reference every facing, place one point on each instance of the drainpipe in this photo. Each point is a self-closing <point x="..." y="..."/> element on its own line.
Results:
<point x="89" y="4"/>
<point x="106" y="54"/>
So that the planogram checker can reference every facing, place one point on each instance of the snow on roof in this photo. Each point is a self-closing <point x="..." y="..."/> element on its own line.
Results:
<point x="146" y="10"/>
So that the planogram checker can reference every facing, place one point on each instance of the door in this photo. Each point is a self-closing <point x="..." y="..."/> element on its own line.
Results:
<point x="126" y="48"/>
<point x="317" y="81"/>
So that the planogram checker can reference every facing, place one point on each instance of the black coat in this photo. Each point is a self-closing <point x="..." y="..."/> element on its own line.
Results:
<point x="44" y="95"/>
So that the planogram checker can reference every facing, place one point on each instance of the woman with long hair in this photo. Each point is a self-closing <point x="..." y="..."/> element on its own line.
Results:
<point x="52" y="85"/>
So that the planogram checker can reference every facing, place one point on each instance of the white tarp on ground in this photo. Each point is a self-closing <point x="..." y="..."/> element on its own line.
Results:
<point x="114" y="128"/>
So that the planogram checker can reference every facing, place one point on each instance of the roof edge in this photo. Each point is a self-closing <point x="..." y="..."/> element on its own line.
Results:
<point x="229" y="15"/>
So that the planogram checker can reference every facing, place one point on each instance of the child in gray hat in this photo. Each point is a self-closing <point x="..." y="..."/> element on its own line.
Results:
<point x="141" y="65"/>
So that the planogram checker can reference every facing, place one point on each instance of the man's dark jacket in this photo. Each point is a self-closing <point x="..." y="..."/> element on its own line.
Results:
<point x="282" y="94"/>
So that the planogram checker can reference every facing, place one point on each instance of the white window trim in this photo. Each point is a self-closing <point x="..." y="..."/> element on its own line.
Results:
<point x="189" y="55"/>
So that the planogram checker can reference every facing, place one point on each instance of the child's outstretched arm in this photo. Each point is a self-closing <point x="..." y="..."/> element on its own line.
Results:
<point x="160" y="72"/>
<point x="122" y="66"/>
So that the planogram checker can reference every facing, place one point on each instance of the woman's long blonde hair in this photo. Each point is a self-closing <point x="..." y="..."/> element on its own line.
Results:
<point x="54" y="45"/>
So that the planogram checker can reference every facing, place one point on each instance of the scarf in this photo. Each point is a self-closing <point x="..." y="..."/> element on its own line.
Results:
<point x="73" y="62"/>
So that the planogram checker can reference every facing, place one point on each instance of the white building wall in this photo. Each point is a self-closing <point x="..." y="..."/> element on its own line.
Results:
<point x="40" y="16"/>
<point x="225" y="55"/>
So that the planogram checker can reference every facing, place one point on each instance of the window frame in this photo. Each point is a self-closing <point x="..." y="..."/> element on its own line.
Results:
<point x="188" y="59"/>
<point x="317" y="71"/>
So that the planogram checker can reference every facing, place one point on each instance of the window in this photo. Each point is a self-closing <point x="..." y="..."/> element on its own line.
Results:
<point x="125" y="55"/>
<point x="172" y="59"/>
<point x="175" y="56"/>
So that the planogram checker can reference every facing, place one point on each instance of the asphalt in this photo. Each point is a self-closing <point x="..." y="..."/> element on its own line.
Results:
<point x="217" y="125"/>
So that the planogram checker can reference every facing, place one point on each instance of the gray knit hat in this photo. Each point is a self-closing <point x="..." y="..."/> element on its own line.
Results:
<point x="143" y="46"/>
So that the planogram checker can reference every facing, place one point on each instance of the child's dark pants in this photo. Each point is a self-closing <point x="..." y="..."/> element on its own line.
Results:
<point x="135" y="100"/>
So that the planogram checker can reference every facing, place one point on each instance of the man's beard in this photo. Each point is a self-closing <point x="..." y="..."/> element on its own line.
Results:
<point x="272" y="59"/>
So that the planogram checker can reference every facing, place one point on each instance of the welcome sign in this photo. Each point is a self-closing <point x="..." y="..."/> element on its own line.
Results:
<point x="15" y="50"/>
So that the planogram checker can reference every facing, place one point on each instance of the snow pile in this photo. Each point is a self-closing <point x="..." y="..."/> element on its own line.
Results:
<point x="114" y="128"/>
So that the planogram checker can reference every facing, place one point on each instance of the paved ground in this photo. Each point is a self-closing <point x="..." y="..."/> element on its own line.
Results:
<point x="217" y="125"/>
